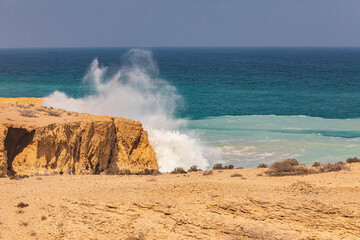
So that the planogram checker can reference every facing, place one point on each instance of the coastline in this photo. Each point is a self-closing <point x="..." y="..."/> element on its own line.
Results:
<point x="219" y="204"/>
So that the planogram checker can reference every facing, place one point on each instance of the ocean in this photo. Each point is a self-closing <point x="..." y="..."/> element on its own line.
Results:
<point x="240" y="106"/>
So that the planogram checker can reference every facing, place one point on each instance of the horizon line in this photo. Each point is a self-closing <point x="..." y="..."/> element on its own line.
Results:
<point x="94" y="47"/>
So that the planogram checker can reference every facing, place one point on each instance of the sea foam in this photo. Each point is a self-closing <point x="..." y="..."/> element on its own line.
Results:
<point x="135" y="91"/>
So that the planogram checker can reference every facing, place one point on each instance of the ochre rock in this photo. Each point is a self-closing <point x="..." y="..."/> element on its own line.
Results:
<point x="38" y="140"/>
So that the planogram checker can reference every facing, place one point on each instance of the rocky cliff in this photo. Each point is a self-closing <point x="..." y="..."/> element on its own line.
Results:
<point x="36" y="139"/>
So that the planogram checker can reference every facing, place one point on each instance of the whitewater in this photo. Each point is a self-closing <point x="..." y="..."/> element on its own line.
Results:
<point x="136" y="92"/>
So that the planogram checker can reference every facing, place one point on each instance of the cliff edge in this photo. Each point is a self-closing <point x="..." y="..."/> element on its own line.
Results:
<point x="35" y="139"/>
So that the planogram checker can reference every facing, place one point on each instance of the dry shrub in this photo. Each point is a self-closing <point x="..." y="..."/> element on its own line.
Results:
<point x="28" y="113"/>
<point x="194" y="168"/>
<point x="333" y="167"/>
<point x="219" y="166"/>
<point x="287" y="167"/>
<point x="229" y="166"/>
<point x="43" y="218"/>
<point x="353" y="160"/>
<point x="206" y="173"/>
<point x="316" y="164"/>
<point x="262" y="165"/>
<point x="22" y="205"/>
<point x="178" y="170"/>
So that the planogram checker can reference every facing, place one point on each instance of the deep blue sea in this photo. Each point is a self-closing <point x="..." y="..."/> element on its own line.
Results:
<point x="244" y="105"/>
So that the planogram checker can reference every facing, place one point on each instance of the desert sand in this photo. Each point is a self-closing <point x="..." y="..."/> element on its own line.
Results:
<point x="183" y="206"/>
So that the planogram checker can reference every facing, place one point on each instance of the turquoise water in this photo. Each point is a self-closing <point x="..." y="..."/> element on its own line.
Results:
<point x="247" y="105"/>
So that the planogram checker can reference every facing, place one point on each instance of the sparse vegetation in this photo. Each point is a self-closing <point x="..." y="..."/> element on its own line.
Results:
<point x="28" y="113"/>
<point x="333" y="167"/>
<point x="229" y="166"/>
<point x="262" y="165"/>
<point x="316" y="164"/>
<point x="43" y="218"/>
<point x="178" y="170"/>
<point x="219" y="166"/>
<point x="22" y="205"/>
<point x="208" y="172"/>
<point x="194" y="168"/>
<point x="287" y="167"/>
<point x="353" y="160"/>
<point x="292" y="167"/>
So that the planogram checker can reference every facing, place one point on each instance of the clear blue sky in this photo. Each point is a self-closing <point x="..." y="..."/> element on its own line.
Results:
<point x="106" y="23"/>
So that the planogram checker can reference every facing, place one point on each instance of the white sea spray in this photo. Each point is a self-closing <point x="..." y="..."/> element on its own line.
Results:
<point x="135" y="91"/>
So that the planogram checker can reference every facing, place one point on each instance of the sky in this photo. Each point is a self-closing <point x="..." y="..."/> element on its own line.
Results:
<point x="183" y="23"/>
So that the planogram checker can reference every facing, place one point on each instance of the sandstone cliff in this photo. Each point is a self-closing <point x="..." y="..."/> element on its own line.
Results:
<point x="36" y="139"/>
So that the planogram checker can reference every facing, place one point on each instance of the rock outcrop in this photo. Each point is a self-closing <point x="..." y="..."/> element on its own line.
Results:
<point x="36" y="139"/>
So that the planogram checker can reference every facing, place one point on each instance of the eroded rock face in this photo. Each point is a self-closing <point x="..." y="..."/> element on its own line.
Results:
<point x="43" y="140"/>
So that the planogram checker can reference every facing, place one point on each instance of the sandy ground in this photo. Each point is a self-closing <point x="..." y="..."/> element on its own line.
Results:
<point x="189" y="206"/>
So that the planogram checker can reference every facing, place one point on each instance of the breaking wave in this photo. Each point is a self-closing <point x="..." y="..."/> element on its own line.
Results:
<point x="135" y="91"/>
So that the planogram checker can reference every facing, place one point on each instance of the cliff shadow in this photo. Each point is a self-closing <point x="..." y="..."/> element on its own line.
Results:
<point x="17" y="139"/>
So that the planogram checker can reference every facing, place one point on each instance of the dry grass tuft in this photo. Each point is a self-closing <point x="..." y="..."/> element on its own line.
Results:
<point x="43" y="218"/>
